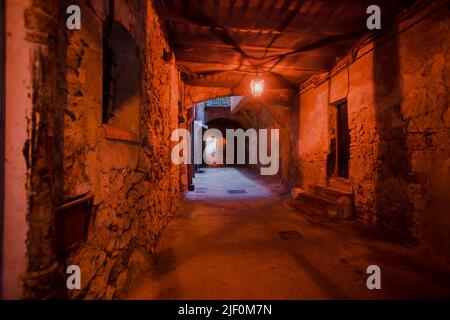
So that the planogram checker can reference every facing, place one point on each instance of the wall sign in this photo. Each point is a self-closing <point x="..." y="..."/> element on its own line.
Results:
<point x="219" y="102"/>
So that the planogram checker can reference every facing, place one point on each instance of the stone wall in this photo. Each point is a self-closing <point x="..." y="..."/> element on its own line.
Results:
<point x="398" y="101"/>
<point x="135" y="185"/>
<point x="71" y="151"/>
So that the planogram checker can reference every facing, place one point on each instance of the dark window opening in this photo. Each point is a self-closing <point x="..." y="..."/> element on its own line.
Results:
<point x="108" y="85"/>
<point x="108" y="88"/>
<point x="121" y="76"/>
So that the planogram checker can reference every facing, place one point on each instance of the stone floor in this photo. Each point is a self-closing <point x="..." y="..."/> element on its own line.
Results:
<point x="226" y="245"/>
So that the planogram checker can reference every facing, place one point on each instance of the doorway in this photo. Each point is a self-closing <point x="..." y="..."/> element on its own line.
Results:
<point x="339" y="133"/>
<point x="343" y="141"/>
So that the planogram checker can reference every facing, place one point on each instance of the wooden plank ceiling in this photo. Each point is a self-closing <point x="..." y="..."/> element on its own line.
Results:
<point x="224" y="43"/>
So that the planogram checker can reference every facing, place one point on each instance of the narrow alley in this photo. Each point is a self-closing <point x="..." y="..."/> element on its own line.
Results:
<point x="224" y="149"/>
<point x="256" y="246"/>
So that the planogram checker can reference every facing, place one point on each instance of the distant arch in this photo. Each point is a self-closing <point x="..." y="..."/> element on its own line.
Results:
<point x="223" y="124"/>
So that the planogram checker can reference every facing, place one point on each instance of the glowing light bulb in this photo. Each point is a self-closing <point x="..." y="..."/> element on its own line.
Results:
<point x="257" y="86"/>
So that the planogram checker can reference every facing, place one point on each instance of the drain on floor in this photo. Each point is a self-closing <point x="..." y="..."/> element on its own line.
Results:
<point x="239" y="191"/>
<point x="289" y="235"/>
<point x="201" y="190"/>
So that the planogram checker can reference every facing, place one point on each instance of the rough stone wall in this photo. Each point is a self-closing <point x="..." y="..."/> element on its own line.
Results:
<point x="69" y="151"/>
<point x="83" y="111"/>
<point x="135" y="185"/>
<point x="399" y="118"/>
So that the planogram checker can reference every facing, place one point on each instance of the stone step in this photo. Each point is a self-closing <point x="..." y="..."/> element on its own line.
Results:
<point x="343" y="198"/>
<point x="329" y="207"/>
<point x="310" y="213"/>
<point x="331" y="202"/>
<point x="330" y="192"/>
<point x="339" y="184"/>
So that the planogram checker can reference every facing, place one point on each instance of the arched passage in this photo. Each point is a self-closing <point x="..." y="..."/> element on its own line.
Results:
<point x="223" y="124"/>
<point x="233" y="155"/>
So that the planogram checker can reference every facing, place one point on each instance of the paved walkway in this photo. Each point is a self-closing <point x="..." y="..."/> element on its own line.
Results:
<point x="228" y="246"/>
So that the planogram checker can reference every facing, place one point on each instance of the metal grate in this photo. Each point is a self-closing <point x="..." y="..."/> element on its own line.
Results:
<point x="201" y="190"/>
<point x="239" y="191"/>
<point x="290" y="234"/>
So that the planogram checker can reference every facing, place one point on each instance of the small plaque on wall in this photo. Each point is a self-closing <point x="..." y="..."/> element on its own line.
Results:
<point x="219" y="102"/>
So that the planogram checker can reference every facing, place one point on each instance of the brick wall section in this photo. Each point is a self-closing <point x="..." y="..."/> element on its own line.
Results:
<point x="399" y="117"/>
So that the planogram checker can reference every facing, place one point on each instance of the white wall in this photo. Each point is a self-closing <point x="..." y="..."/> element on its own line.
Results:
<point x="18" y="112"/>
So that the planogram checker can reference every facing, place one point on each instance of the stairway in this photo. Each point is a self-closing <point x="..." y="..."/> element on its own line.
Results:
<point x="333" y="200"/>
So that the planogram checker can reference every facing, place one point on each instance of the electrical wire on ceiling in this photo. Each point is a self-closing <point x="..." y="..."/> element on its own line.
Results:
<point x="372" y="39"/>
<point x="193" y="13"/>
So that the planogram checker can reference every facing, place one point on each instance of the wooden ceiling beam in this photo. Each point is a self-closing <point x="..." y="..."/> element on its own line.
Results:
<point x="234" y="81"/>
<point x="238" y="25"/>
<point x="216" y="65"/>
<point x="210" y="48"/>
<point x="185" y="45"/>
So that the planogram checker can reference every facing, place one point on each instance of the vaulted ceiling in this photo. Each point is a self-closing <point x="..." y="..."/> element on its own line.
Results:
<point x="224" y="43"/>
